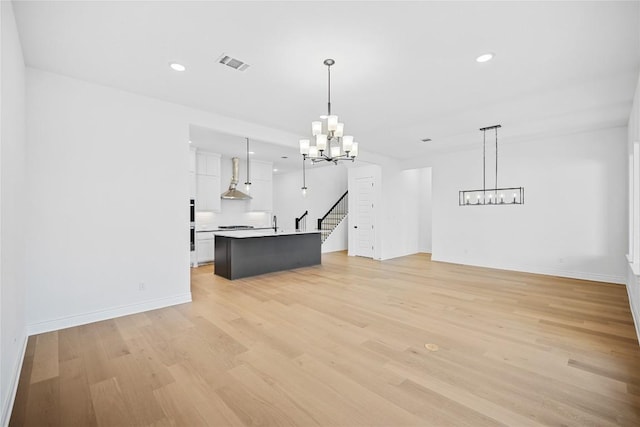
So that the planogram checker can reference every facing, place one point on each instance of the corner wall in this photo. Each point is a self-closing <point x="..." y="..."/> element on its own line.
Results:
<point x="107" y="211"/>
<point x="574" y="219"/>
<point x="632" y="277"/>
<point x="425" y="225"/>
<point x="107" y="203"/>
<point x="12" y="190"/>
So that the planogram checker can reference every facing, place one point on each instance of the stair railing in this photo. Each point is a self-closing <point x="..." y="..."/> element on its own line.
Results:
<point x="302" y="221"/>
<point x="334" y="216"/>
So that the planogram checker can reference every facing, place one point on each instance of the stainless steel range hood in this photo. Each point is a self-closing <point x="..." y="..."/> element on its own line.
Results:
<point x="232" y="193"/>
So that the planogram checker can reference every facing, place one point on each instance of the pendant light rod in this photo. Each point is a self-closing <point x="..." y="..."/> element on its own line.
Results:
<point x="248" y="183"/>
<point x="329" y="62"/>
<point x="484" y="140"/>
<point x="484" y="162"/>
<point x="304" y="179"/>
<point x="496" y="183"/>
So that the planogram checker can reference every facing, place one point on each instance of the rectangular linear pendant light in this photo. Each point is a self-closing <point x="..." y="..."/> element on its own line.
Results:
<point x="495" y="195"/>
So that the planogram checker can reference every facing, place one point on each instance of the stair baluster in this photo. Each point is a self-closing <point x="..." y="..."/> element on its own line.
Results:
<point x="333" y="217"/>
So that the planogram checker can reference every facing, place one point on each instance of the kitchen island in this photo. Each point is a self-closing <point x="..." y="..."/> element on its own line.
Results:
<point x="249" y="253"/>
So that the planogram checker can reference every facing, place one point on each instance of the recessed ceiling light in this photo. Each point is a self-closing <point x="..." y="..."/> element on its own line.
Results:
<point x="485" y="57"/>
<point x="189" y="141"/>
<point x="275" y="170"/>
<point x="284" y="157"/>
<point x="252" y="152"/>
<point x="177" y="67"/>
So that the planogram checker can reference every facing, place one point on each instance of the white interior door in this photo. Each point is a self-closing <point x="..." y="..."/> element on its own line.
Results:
<point x="364" y="218"/>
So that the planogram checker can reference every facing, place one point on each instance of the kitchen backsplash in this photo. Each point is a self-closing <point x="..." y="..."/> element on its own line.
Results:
<point x="233" y="213"/>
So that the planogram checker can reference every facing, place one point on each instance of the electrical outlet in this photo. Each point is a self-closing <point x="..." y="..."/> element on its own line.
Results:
<point x="141" y="286"/>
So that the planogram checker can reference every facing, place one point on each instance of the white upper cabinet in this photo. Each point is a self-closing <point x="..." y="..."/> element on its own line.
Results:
<point x="208" y="164"/>
<point x="192" y="160"/>
<point x="192" y="173"/>
<point x="261" y="186"/>
<point x="208" y="182"/>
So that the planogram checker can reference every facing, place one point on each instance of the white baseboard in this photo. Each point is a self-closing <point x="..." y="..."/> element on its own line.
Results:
<point x="594" y="277"/>
<point x="96" y="316"/>
<point x="633" y="291"/>
<point x="7" y="406"/>
<point x="635" y="312"/>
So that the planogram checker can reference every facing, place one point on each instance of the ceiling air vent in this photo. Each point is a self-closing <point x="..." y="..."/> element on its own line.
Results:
<point x="234" y="63"/>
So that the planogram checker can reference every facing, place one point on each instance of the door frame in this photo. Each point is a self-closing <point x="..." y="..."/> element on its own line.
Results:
<point x="375" y="173"/>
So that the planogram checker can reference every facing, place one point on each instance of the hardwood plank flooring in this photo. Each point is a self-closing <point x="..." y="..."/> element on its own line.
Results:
<point x="345" y="344"/>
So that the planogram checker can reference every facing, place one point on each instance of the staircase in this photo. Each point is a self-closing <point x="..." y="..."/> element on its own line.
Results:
<point x="301" y="223"/>
<point x="334" y="216"/>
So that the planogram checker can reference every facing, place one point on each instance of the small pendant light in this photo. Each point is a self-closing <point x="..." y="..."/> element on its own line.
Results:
<point x="304" y="181"/>
<point x="247" y="184"/>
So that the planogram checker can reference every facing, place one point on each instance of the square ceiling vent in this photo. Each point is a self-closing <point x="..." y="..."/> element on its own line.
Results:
<point x="234" y="63"/>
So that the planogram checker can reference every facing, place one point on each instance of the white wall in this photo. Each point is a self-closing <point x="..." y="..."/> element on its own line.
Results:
<point x="325" y="186"/>
<point x="633" y="278"/>
<point x="12" y="191"/>
<point x="424" y="226"/>
<point x="409" y="207"/>
<point x="402" y="208"/>
<point x="107" y="199"/>
<point x="573" y="222"/>
<point x="401" y="212"/>
<point x="338" y="239"/>
<point x="107" y="206"/>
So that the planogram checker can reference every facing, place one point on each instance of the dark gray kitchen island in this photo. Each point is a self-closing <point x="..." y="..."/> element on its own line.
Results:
<point x="249" y="253"/>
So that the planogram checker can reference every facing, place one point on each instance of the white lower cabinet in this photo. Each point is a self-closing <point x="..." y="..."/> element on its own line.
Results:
<point x="205" y="247"/>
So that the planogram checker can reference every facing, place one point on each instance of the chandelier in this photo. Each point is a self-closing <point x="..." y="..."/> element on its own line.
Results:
<point x="331" y="144"/>
<point x="495" y="195"/>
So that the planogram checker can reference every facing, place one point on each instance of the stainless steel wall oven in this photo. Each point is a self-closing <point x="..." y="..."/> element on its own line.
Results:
<point x="192" y="224"/>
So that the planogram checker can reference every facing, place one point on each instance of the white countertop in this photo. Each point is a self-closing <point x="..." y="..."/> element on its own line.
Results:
<point x="215" y="229"/>
<point x="244" y="234"/>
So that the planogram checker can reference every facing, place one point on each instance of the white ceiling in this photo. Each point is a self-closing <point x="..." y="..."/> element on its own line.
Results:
<point x="404" y="70"/>
<point x="235" y="146"/>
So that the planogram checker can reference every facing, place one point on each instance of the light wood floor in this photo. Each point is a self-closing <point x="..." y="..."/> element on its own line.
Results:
<point x="343" y="344"/>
